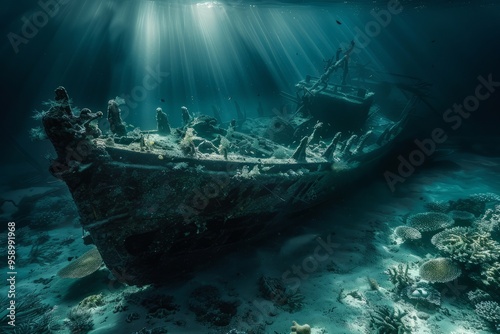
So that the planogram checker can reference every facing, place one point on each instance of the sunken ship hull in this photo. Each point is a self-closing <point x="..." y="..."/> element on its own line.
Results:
<point x="155" y="214"/>
<point x="143" y="213"/>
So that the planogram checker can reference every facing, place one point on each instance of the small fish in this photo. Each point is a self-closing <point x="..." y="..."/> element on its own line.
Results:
<point x="338" y="22"/>
<point x="433" y="41"/>
<point x="162" y="100"/>
<point x="71" y="258"/>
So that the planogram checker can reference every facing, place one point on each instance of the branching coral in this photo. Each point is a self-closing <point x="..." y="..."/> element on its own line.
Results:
<point x="467" y="245"/>
<point x="490" y="221"/>
<point x="489" y="311"/>
<point x="399" y="277"/>
<point x="275" y="290"/>
<point x="42" y="252"/>
<point x="387" y="321"/>
<point x="32" y="316"/>
<point x="477" y="296"/>
<point x="79" y="320"/>
<point x="491" y="275"/>
<point x="484" y="306"/>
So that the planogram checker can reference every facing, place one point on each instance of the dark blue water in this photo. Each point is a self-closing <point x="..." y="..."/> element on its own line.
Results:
<point x="209" y="52"/>
<point x="201" y="54"/>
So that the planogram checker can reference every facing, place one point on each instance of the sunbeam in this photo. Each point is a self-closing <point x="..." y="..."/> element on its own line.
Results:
<point x="209" y="53"/>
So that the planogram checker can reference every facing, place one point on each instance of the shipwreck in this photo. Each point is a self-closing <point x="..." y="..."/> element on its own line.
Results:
<point x="157" y="203"/>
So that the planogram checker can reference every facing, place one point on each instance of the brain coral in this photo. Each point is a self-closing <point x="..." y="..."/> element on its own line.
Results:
<point x="407" y="233"/>
<point x="467" y="245"/>
<point x="429" y="221"/>
<point x="440" y="270"/>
